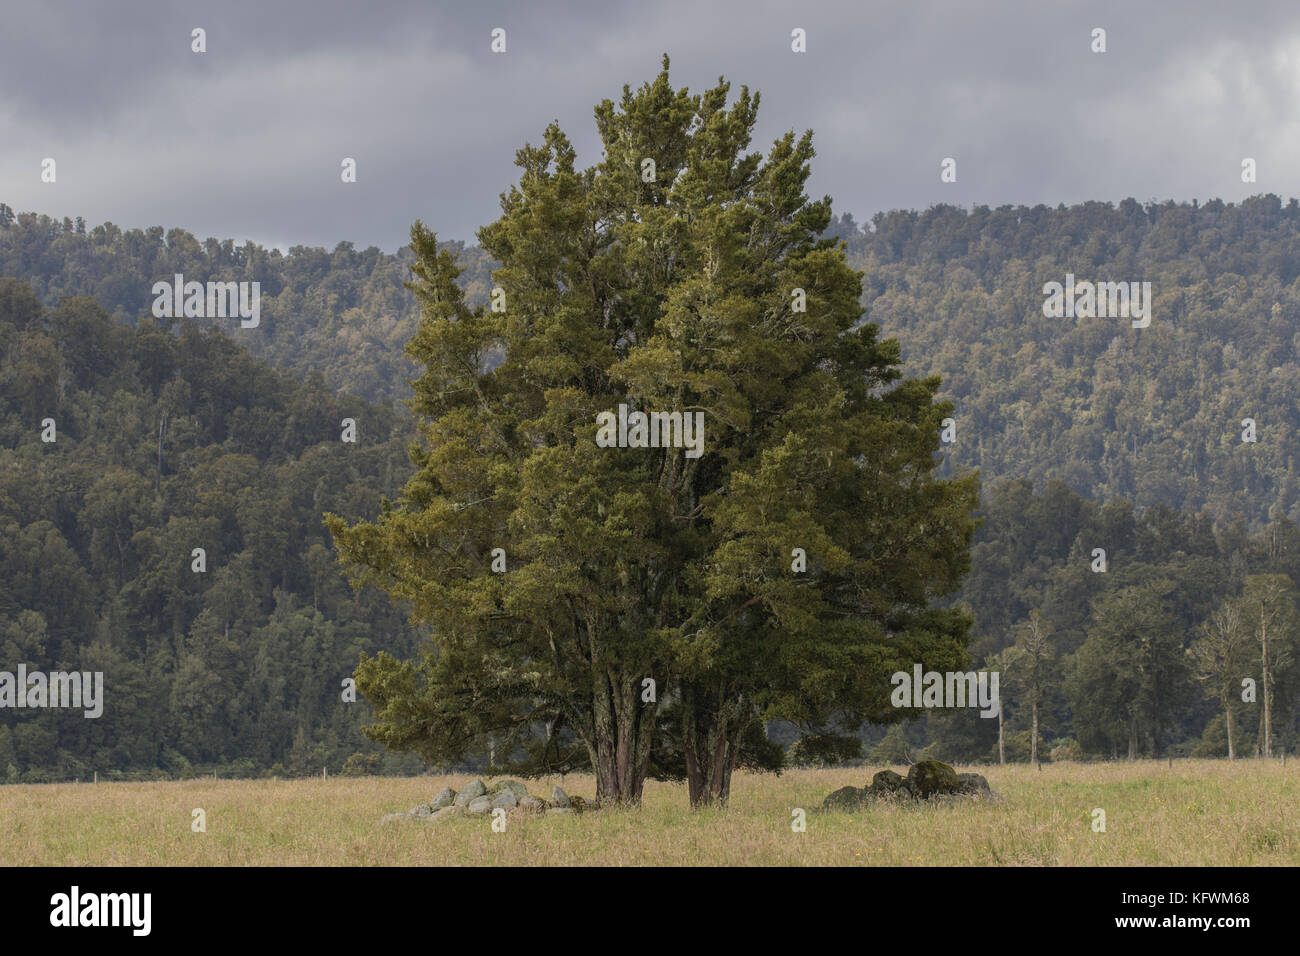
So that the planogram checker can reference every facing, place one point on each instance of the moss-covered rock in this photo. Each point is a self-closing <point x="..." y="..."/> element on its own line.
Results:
<point x="928" y="778"/>
<point x="973" y="783"/>
<point x="845" y="798"/>
<point x="886" y="781"/>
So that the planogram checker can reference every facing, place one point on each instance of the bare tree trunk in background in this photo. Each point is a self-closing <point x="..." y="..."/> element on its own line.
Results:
<point x="1034" y="746"/>
<point x="1265" y="673"/>
<point x="1002" y="751"/>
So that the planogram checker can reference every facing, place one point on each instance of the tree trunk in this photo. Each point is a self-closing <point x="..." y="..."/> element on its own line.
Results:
<point x="713" y="726"/>
<point x="1132" y="738"/>
<point x="623" y="731"/>
<point x="1002" y="752"/>
<point x="162" y="429"/>
<point x="1227" y="714"/>
<point x="1268" y="691"/>
<point x="1034" y="744"/>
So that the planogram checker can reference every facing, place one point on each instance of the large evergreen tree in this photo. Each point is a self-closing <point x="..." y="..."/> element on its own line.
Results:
<point x="680" y="274"/>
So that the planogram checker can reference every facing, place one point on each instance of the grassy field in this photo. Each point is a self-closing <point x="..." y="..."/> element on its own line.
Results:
<point x="1196" y="812"/>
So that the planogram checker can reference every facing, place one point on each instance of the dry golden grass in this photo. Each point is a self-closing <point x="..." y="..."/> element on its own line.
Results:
<point x="1200" y="812"/>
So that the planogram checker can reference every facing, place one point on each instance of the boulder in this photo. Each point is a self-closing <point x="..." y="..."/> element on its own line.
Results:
<point x="445" y="798"/>
<point x="530" y="804"/>
<point x="886" y="781"/>
<point x="514" y="786"/>
<point x="559" y="798"/>
<point x="928" y="778"/>
<point x="974" y="785"/>
<point x="446" y="813"/>
<point x="845" y="798"/>
<point x="504" y="800"/>
<point x="423" y="810"/>
<point x="479" y="806"/>
<point x="471" y="792"/>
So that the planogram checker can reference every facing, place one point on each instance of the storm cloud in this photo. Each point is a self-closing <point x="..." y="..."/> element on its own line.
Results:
<point x="246" y="140"/>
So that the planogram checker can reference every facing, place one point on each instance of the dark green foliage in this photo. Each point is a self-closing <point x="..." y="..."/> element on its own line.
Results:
<point x="170" y="440"/>
<point x="669" y="294"/>
<point x="1124" y="642"/>
<point x="824" y="749"/>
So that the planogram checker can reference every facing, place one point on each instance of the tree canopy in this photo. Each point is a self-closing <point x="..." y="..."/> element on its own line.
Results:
<point x="680" y="274"/>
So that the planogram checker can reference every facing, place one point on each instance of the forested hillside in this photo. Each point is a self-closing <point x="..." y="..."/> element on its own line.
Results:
<point x="343" y="313"/>
<point x="1153" y="415"/>
<point x="1088" y="433"/>
<point x="166" y="440"/>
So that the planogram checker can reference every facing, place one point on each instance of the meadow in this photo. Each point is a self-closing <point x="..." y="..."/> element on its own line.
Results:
<point x="1195" y="812"/>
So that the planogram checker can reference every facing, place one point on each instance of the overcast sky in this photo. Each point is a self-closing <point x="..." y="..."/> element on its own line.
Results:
<point x="245" y="140"/>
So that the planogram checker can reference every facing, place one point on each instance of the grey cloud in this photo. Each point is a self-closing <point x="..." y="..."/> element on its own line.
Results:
<point x="245" y="141"/>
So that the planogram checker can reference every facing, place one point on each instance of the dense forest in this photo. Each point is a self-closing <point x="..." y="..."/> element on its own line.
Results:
<point x="1136" y="659"/>
<point x="1088" y="434"/>
<point x="344" y="314"/>
<point x="1153" y="415"/>
<point x="126" y="448"/>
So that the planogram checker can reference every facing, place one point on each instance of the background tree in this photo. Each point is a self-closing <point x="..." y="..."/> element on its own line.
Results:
<point x="1219" y="657"/>
<point x="1130" y="672"/>
<point x="1031" y="668"/>
<point x="1269" y="609"/>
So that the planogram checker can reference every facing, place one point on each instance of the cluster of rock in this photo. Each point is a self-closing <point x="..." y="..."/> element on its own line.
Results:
<point x="479" y="800"/>
<point x="925" y="780"/>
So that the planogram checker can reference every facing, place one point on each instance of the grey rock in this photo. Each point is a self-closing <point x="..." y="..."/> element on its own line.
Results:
<point x="446" y="813"/>
<point x="504" y="800"/>
<point x="514" y="786"/>
<point x="445" y="798"/>
<point x="530" y="804"/>
<point x="472" y="791"/>
<point x="479" y="806"/>
<point x="559" y="798"/>
<point x="423" y="810"/>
